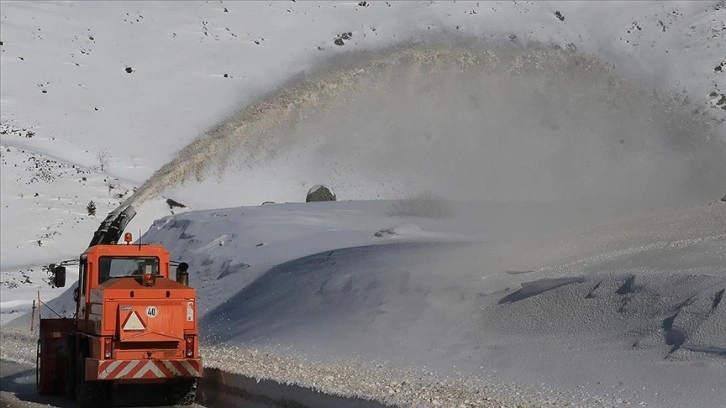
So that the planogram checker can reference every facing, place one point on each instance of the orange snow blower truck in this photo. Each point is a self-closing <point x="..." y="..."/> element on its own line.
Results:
<point x="133" y="324"/>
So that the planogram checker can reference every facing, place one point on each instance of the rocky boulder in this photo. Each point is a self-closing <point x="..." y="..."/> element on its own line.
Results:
<point x="320" y="193"/>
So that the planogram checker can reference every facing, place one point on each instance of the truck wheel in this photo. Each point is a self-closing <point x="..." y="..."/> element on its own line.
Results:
<point x="90" y="394"/>
<point x="182" y="392"/>
<point x="70" y="380"/>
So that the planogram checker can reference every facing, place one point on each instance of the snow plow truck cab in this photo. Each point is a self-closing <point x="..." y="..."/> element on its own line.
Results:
<point x="133" y="324"/>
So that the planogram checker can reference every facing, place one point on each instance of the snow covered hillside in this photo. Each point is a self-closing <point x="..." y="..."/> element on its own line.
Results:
<point x="579" y="148"/>
<point x="633" y="318"/>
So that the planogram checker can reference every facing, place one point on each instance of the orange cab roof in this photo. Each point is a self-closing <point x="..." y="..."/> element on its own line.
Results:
<point x="128" y="250"/>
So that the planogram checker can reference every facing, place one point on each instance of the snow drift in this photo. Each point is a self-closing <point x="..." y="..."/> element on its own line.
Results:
<point x="595" y="308"/>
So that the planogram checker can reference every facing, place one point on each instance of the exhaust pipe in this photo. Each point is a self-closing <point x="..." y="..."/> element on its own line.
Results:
<point x="182" y="274"/>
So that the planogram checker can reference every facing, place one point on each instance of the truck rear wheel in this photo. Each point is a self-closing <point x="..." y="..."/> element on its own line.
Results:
<point x="70" y="380"/>
<point x="90" y="394"/>
<point x="182" y="392"/>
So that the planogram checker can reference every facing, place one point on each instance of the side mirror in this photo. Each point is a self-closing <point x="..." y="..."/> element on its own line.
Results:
<point x="182" y="274"/>
<point x="59" y="276"/>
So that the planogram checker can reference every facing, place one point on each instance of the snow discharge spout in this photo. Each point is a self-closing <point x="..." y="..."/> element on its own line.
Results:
<point x="466" y="121"/>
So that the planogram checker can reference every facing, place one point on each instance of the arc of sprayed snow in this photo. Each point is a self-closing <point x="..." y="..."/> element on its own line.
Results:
<point x="319" y="89"/>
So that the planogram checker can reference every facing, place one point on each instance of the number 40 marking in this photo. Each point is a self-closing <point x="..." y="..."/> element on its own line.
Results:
<point x="151" y="311"/>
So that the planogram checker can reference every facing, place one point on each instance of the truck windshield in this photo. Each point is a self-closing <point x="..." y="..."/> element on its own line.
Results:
<point x="122" y="266"/>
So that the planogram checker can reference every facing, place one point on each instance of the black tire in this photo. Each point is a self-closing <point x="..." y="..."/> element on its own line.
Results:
<point x="182" y="392"/>
<point x="70" y="380"/>
<point x="90" y="394"/>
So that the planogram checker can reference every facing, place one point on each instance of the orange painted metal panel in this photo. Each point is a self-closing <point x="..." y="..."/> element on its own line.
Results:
<point x="151" y="320"/>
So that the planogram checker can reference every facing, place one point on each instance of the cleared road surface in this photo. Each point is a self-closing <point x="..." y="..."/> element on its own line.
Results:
<point x="17" y="389"/>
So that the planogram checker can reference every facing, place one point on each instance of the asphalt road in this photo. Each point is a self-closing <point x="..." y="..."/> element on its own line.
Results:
<point x="17" y="389"/>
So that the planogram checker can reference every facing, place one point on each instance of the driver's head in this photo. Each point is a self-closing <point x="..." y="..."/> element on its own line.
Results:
<point x="139" y="268"/>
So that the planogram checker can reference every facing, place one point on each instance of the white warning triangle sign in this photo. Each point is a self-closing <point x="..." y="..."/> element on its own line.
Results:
<point x="133" y="322"/>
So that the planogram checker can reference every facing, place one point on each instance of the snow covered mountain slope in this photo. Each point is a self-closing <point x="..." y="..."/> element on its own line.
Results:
<point x="213" y="59"/>
<point x="580" y="142"/>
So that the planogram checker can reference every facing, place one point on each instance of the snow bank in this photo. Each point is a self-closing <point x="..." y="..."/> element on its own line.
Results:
<point x="644" y="292"/>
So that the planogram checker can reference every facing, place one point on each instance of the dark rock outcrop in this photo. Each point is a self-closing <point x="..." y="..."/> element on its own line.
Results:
<point x="320" y="193"/>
